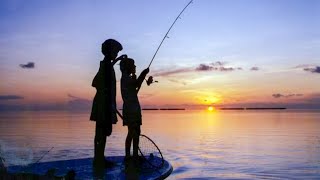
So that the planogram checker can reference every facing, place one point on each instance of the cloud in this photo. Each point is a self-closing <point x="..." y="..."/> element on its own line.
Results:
<point x="313" y="69"/>
<point x="216" y="66"/>
<point x="304" y="66"/>
<point x="278" y="95"/>
<point x="144" y="96"/>
<point x="218" y="63"/>
<point x="313" y="98"/>
<point x="227" y="69"/>
<point x="77" y="103"/>
<point x="254" y="69"/>
<point x="178" y="81"/>
<point x="203" y="67"/>
<point x="29" y="65"/>
<point x="171" y="72"/>
<point x="10" y="97"/>
<point x="305" y="101"/>
<point x="71" y="96"/>
<point x="309" y="67"/>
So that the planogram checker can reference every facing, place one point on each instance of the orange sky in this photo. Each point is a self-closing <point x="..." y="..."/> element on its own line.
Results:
<point x="218" y="53"/>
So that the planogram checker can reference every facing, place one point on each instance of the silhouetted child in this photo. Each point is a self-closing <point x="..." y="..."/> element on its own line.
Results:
<point x="104" y="102"/>
<point x="130" y="86"/>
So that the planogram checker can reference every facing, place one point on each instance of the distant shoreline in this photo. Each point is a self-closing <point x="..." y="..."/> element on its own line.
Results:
<point x="275" y="108"/>
<point x="254" y="108"/>
<point x="161" y="109"/>
<point x="168" y="109"/>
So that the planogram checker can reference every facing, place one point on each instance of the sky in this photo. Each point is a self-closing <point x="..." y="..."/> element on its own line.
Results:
<point x="222" y="53"/>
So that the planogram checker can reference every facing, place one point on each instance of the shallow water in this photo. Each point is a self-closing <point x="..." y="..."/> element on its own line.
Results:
<point x="282" y="144"/>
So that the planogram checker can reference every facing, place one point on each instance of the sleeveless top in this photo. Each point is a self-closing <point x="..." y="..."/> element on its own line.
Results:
<point x="131" y="107"/>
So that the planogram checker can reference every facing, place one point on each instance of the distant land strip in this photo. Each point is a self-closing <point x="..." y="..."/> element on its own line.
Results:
<point x="232" y="108"/>
<point x="163" y="109"/>
<point x="273" y="108"/>
<point x="240" y="108"/>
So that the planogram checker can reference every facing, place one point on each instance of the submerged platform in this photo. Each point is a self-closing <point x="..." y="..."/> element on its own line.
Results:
<point x="83" y="169"/>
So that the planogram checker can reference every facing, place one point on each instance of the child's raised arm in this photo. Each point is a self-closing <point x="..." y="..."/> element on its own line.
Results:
<point x="141" y="79"/>
<point x="120" y="58"/>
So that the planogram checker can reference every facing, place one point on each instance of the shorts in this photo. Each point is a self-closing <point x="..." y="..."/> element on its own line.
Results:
<point x="134" y="129"/>
<point x="103" y="129"/>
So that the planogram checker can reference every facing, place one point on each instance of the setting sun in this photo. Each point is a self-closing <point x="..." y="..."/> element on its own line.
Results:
<point x="210" y="108"/>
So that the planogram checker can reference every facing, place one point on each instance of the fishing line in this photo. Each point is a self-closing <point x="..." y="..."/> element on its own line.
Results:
<point x="32" y="164"/>
<point x="166" y="35"/>
<point x="43" y="155"/>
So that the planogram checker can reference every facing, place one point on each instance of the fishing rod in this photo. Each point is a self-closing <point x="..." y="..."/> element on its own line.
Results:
<point x="43" y="155"/>
<point x="119" y="114"/>
<point x="150" y="79"/>
<point x="32" y="164"/>
<point x="166" y="35"/>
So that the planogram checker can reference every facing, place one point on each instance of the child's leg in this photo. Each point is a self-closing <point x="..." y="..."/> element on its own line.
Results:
<point x="128" y="141"/>
<point x="99" y="142"/>
<point x="100" y="138"/>
<point x="136" y="135"/>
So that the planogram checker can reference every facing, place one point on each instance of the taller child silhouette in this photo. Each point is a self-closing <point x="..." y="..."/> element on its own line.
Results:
<point x="104" y="103"/>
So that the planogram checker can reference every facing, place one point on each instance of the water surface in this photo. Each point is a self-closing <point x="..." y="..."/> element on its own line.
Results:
<point x="281" y="144"/>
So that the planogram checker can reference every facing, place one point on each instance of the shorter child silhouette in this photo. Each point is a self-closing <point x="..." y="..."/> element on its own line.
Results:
<point x="130" y="86"/>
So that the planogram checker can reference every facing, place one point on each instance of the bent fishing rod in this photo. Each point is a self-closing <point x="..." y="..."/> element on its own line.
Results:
<point x="166" y="35"/>
<point x="150" y="79"/>
<point x="28" y="167"/>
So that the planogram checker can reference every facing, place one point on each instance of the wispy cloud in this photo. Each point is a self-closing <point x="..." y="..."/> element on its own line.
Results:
<point x="278" y="95"/>
<point x="304" y="66"/>
<point x="29" y="65"/>
<point x="145" y="96"/>
<point x="178" y="81"/>
<point x="215" y="66"/>
<point x="313" y="70"/>
<point x="10" y="97"/>
<point x="171" y="72"/>
<point x="313" y="98"/>
<point x="309" y="67"/>
<point x="72" y="96"/>
<point x="227" y="69"/>
<point x="218" y="63"/>
<point x="204" y="67"/>
<point x="255" y="68"/>
<point x="77" y="103"/>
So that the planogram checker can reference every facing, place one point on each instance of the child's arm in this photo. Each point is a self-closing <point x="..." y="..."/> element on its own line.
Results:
<point x="141" y="79"/>
<point x="124" y="56"/>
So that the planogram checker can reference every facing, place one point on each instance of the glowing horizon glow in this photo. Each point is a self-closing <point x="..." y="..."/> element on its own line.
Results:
<point x="262" y="53"/>
<point x="211" y="108"/>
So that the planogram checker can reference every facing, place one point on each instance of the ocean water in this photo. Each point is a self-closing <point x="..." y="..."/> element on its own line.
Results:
<point x="279" y="144"/>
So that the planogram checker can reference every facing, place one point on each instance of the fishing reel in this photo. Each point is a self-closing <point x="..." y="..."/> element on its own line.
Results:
<point x="150" y="81"/>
